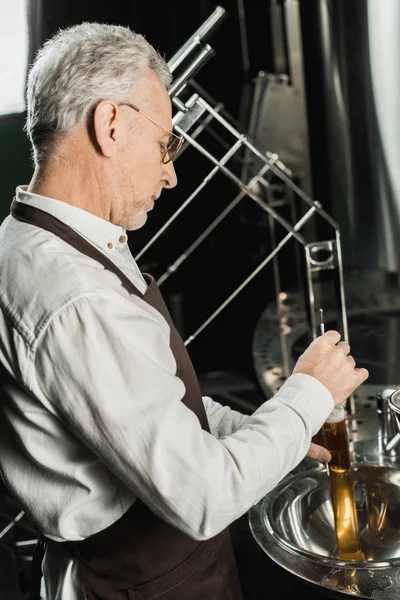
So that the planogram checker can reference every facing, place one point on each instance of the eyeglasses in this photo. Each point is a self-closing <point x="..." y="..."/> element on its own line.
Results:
<point x="174" y="143"/>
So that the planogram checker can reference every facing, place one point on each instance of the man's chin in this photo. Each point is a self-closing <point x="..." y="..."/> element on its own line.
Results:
<point x="137" y="220"/>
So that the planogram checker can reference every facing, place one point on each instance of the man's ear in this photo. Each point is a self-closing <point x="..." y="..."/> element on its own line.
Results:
<point x="104" y="124"/>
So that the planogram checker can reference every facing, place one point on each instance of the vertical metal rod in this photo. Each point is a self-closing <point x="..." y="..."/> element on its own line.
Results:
<point x="257" y="99"/>
<point x="277" y="32"/>
<point x="311" y="297"/>
<point x="351" y="402"/>
<point x="341" y="286"/>
<point x="243" y="37"/>
<point x="296" y="250"/>
<point x="277" y="280"/>
<point x="322" y="324"/>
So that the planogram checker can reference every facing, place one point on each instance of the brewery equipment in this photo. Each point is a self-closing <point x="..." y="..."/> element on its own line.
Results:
<point x="388" y="434"/>
<point x="294" y="524"/>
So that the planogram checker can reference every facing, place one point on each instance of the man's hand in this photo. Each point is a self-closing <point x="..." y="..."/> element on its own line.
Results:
<point x="319" y="453"/>
<point x="329" y="360"/>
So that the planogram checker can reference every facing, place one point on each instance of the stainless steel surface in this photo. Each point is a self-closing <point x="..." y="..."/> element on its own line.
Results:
<point x="322" y="324"/>
<point x="393" y="419"/>
<point x="296" y="72"/>
<point x="278" y="37"/>
<point x="294" y="525"/>
<point x="320" y="257"/>
<point x="200" y="34"/>
<point x="355" y="83"/>
<point x="278" y="117"/>
<point x="373" y="311"/>
<point x="394" y="401"/>
<point x="388" y="433"/>
<point x="204" y="52"/>
<point x="383" y="23"/>
<point x="244" y="44"/>
<point x="280" y="124"/>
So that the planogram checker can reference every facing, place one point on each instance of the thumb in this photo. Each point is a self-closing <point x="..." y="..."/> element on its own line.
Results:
<point x="319" y="453"/>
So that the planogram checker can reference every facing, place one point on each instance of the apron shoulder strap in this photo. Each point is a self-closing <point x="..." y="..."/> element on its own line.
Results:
<point x="41" y="218"/>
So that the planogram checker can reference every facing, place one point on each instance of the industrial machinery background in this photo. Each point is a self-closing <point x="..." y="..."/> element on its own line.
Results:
<point x="256" y="178"/>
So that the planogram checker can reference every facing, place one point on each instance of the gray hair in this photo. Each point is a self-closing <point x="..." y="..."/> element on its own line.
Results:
<point x="78" y="67"/>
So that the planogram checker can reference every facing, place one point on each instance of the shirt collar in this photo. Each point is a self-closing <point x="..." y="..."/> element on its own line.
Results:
<point x="102" y="233"/>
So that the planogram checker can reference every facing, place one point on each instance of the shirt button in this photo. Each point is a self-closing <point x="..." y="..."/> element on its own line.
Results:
<point x="109" y="245"/>
<point x="122" y="239"/>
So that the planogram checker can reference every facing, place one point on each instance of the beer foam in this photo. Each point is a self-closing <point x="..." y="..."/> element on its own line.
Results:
<point x="336" y="415"/>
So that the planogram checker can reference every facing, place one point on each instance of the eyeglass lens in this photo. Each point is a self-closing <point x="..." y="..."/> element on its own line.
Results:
<point x="173" y="146"/>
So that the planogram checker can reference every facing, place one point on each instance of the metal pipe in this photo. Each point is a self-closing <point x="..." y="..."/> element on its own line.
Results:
<point x="11" y="524"/>
<point x="211" y="174"/>
<point x="311" y="297"/>
<point x="205" y="53"/>
<point x="243" y="37"/>
<point x="200" y="90"/>
<point x="198" y="129"/>
<point x="200" y="34"/>
<point x="275" y="251"/>
<point x="241" y="185"/>
<point x="174" y="267"/>
<point x="275" y="169"/>
<point x="341" y="286"/>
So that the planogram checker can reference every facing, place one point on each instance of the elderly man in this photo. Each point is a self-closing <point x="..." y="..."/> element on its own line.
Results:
<point x="130" y="475"/>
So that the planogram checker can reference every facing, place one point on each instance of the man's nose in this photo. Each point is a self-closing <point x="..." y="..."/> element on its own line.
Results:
<point x="170" y="175"/>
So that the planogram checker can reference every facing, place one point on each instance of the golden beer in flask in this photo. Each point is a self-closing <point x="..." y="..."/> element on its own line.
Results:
<point x="342" y="487"/>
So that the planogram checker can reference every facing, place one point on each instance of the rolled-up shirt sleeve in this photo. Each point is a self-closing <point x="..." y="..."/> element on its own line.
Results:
<point x="104" y="363"/>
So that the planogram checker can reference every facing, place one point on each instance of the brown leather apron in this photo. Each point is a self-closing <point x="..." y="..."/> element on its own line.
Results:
<point x="140" y="556"/>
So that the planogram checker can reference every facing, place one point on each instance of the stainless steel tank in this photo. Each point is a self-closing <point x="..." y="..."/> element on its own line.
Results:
<point x="294" y="523"/>
<point x="352" y="49"/>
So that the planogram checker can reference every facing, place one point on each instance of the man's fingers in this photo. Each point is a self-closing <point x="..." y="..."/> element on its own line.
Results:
<point x="344" y="347"/>
<point x="332" y="336"/>
<point x="362" y="374"/>
<point x="351" y="360"/>
<point x="328" y="359"/>
<point x="319" y="453"/>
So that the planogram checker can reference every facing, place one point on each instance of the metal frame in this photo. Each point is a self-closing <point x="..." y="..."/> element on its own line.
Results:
<point x="195" y="114"/>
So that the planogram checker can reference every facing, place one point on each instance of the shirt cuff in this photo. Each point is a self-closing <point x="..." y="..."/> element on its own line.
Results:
<point x="308" y="396"/>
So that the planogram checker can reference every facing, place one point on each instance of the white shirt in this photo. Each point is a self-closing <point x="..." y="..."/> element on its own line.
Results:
<point x="91" y="413"/>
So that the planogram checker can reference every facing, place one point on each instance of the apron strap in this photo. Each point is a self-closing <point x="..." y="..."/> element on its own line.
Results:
<point x="41" y="218"/>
